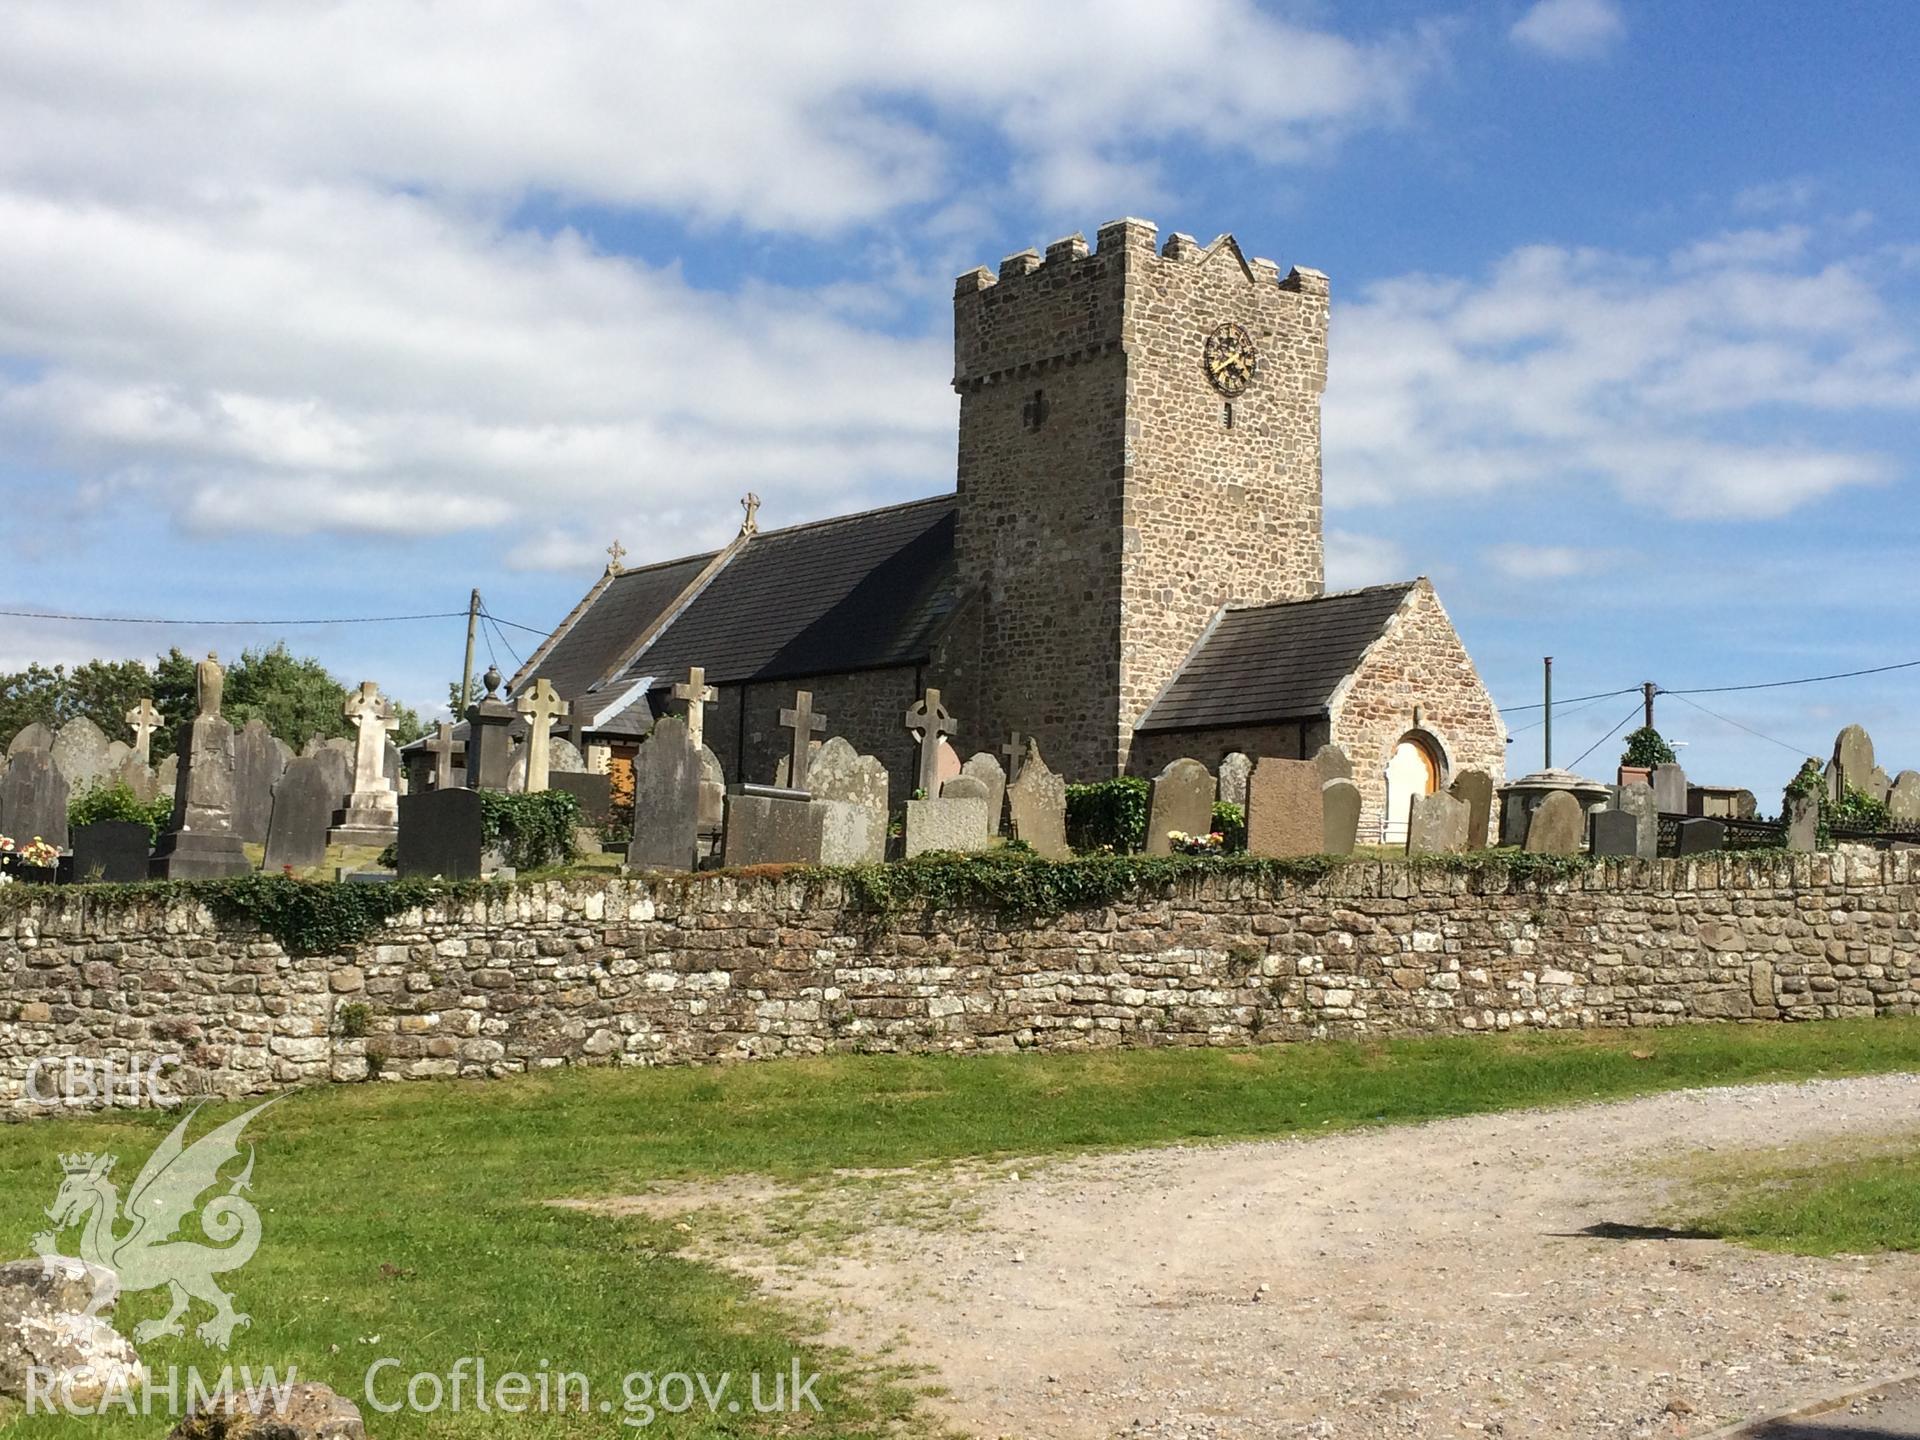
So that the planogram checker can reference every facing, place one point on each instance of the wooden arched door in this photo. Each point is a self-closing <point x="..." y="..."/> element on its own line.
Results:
<point x="1413" y="770"/>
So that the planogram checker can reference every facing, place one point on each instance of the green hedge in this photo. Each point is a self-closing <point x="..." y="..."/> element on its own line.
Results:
<point x="1108" y="817"/>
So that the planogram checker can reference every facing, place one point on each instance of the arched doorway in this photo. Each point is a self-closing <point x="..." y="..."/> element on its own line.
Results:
<point x="1413" y="770"/>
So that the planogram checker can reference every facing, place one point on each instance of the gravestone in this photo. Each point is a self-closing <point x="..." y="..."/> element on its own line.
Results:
<point x="696" y="695"/>
<point x="846" y="833"/>
<point x="805" y="723"/>
<point x="439" y="753"/>
<point x="1879" y="785"/>
<point x="1182" y="800"/>
<point x="305" y="798"/>
<point x="138" y="776"/>
<point x="1475" y="789"/>
<point x="1670" y="789"/>
<point x="200" y="842"/>
<point x="111" y="852"/>
<point x="1037" y="807"/>
<point x="842" y="775"/>
<point x="1333" y="762"/>
<point x="1559" y="824"/>
<point x="489" y="737"/>
<point x="540" y="706"/>
<point x="1701" y="837"/>
<point x="142" y="720"/>
<point x="564" y="758"/>
<point x="593" y="792"/>
<point x="1437" y="824"/>
<point x="1234" y="770"/>
<point x="1853" y="756"/>
<point x="768" y="825"/>
<point x="984" y="768"/>
<point x="964" y="787"/>
<point x="371" y="815"/>
<point x="440" y="835"/>
<point x="1636" y="799"/>
<point x="1801" y="819"/>
<point x="257" y="763"/>
<point x="1613" y="833"/>
<point x="957" y="824"/>
<point x="1903" y="800"/>
<point x="1284" y="808"/>
<point x="1515" y="817"/>
<point x="1340" y="816"/>
<point x="166" y="775"/>
<point x="33" y="799"/>
<point x="80" y="754"/>
<point x="713" y="796"/>
<point x="31" y="737"/>
<point x="118" y="753"/>
<point x="666" y="800"/>
<point x="929" y="723"/>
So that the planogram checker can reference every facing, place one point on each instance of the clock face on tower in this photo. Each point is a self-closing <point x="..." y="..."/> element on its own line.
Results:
<point x="1229" y="359"/>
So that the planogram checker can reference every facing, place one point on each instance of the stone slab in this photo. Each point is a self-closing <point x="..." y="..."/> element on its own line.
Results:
<point x="1284" y="808"/>
<point x="1182" y="800"/>
<point x="440" y="835"/>
<point x="30" y="737"/>
<point x="958" y="824"/>
<point x="594" y="792"/>
<point x="1636" y="799"/>
<point x="666" y="800"/>
<point x="111" y="852"/>
<point x="842" y="774"/>
<point x="1437" y="824"/>
<point x="1903" y="800"/>
<point x="305" y="798"/>
<point x="1333" y="762"/>
<point x="845" y="837"/>
<point x="198" y="855"/>
<point x="1801" y="819"/>
<point x="257" y="763"/>
<point x="989" y="772"/>
<point x="1475" y="788"/>
<point x="767" y="829"/>
<point x="1853" y="756"/>
<point x="1037" y="807"/>
<point x="1613" y="833"/>
<point x="1701" y="837"/>
<point x="83" y="754"/>
<point x="1558" y="825"/>
<point x="1234" y="770"/>
<point x="33" y="799"/>
<point x="1339" y="815"/>
<point x="1670" y="789"/>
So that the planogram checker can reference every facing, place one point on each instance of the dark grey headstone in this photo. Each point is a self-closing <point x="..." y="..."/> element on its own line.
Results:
<point x="440" y="835"/>
<point x="489" y="744"/>
<point x="257" y="764"/>
<point x="33" y="799"/>
<point x="1613" y="832"/>
<point x="666" y="799"/>
<point x="111" y="852"/>
<point x="309" y="791"/>
<point x="1475" y="787"/>
<point x="1701" y="837"/>
<point x="594" y="792"/>
<point x="774" y="829"/>
<point x="1635" y="798"/>
<point x="1670" y="789"/>
<point x="200" y="843"/>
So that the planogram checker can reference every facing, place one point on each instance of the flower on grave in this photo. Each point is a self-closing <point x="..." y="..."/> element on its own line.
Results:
<point x="40" y="855"/>
<point x="1182" y="843"/>
<point x="6" y="844"/>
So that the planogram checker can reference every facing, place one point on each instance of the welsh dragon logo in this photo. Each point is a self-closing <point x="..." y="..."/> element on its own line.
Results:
<point x="146" y="1255"/>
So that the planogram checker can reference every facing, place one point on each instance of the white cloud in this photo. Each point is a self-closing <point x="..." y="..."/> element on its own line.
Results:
<point x="1569" y="29"/>
<point x="1546" y="562"/>
<point x="1707" y="383"/>
<point x="1354" y="560"/>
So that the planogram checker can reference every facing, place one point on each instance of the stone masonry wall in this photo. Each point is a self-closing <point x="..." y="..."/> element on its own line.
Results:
<point x="867" y="707"/>
<point x="1154" y="750"/>
<point x="737" y="967"/>
<point x="1419" y="661"/>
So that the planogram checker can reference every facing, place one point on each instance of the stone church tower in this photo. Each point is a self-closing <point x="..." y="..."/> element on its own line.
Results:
<point x="1139" y="445"/>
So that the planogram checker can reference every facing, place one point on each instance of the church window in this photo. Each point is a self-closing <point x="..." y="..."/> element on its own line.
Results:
<point x="1034" y="413"/>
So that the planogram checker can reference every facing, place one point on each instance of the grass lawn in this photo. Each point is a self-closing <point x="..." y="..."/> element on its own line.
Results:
<point x="406" y="1221"/>
<point x="1841" y="1207"/>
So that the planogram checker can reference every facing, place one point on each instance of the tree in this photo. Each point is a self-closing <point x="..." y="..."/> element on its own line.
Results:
<point x="1646" y="749"/>
<point x="294" y="696"/>
<point x="175" y="696"/>
<point x="100" y="690"/>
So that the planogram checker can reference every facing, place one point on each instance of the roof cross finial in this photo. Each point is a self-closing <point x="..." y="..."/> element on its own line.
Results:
<point x="750" y="503"/>
<point x="616" y="552"/>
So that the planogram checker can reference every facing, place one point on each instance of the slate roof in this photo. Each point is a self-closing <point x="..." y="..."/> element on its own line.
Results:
<point x="1273" y="663"/>
<point x="631" y="601"/>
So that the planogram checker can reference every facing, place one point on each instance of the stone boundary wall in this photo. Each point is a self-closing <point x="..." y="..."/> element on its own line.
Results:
<point x="654" y="971"/>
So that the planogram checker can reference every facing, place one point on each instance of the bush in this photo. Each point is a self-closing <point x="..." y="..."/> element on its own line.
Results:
<point x="1646" y="748"/>
<point x="1108" y="816"/>
<point x="115" y="800"/>
<point x="531" y="831"/>
<point x="1854" y="810"/>
<point x="1231" y="821"/>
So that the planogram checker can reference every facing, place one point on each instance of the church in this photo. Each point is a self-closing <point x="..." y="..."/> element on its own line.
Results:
<point x="1129" y="568"/>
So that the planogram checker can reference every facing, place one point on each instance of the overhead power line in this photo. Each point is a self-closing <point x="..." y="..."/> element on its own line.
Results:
<point x="328" y="620"/>
<point x="1782" y="684"/>
<point x="1728" y="720"/>
<point x="1573" y="700"/>
<point x="1604" y="738"/>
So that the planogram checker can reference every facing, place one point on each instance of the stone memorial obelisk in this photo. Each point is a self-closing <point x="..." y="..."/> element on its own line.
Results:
<point x="372" y="813"/>
<point x="200" y="841"/>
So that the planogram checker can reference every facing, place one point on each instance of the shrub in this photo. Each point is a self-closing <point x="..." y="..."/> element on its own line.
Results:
<point x="1646" y="748"/>
<point x="1231" y="821"/>
<point x="115" y="800"/>
<point x="1110" y="815"/>
<point x="531" y="831"/>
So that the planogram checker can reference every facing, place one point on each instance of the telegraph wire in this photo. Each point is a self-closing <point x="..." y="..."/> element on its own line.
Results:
<point x="1573" y="700"/>
<point x="1781" y="684"/>
<point x="1604" y="738"/>
<point x="144" y="620"/>
<point x="1728" y="720"/>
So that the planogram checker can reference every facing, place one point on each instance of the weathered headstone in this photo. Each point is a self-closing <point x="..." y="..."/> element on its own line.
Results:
<point x="1234" y="770"/>
<point x="540" y="706"/>
<point x="1879" y="784"/>
<point x="666" y="800"/>
<point x="1333" y="762"/>
<point x="1669" y="789"/>
<point x="767" y="825"/>
<point x="1284" y="808"/>
<point x="713" y="795"/>
<point x="138" y="776"/>
<point x="1182" y="801"/>
<point x="1636" y="799"/>
<point x="1437" y="824"/>
<point x="1559" y="824"/>
<point x="984" y="768"/>
<point x="1701" y="837"/>
<point x="439" y="751"/>
<point x="1903" y="800"/>
<point x="1853" y="756"/>
<point x="1475" y="787"/>
<point x="80" y="754"/>
<point x="166" y="775"/>
<point x="1802" y="822"/>
<point x="200" y="842"/>
<point x="371" y="815"/>
<point x="305" y="798"/>
<point x="33" y="799"/>
<point x="111" y="852"/>
<point x="257" y="764"/>
<point x="846" y="833"/>
<point x="1613" y="833"/>
<point x="928" y="721"/>
<point x="1037" y="807"/>
<point x="801" y="719"/>
<point x="564" y="758"/>
<point x="594" y="793"/>
<point x="956" y="824"/>
<point x="30" y="737"/>
<point x="1340" y="816"/>
<point x="489" y="737"/>
<point x="843" y="775"/>
<point x="143" y="719"/>
<point x="696" y="695"/>
<point x="440" y="835"/>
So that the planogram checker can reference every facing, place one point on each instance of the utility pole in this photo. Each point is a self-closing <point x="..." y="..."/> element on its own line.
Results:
<point x="1549" y="712"/>
<point x="466" y="671"/>
<point x="1646" y="690"/>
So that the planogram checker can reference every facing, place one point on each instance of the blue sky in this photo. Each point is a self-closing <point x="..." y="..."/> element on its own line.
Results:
<point x="315" y="312"/>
